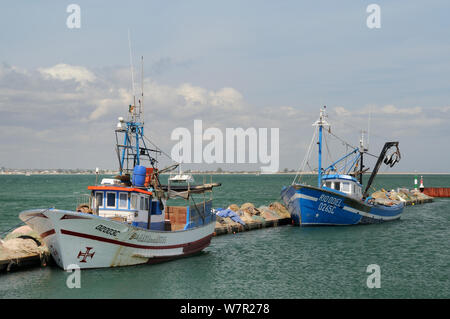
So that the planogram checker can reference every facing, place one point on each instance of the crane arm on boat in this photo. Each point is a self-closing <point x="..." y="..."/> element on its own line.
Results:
<point x="389" y="160"/>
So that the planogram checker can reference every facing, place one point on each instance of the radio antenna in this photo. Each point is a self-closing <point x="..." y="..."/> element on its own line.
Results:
<point x="142" y="88"/>
<point x="131" y="67"/>
<point x="368" y="128"/>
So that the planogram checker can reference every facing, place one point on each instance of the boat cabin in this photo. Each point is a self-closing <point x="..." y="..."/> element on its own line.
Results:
<point x="344" y="184"/>
<point x="127" y="204"/>
<point x="137" y="206"/>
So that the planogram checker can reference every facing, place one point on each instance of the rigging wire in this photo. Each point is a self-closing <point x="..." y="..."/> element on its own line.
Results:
<point x="349" y="145"/>
<point x="309" y="166"/>
<point x="328" y="150"/>
<point x="158" y="148"/>
<point x="342" y="140"/>
<point x="305" y="159"/>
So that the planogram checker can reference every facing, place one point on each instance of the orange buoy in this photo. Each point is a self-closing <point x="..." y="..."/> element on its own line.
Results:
<point x="148" y="176"/>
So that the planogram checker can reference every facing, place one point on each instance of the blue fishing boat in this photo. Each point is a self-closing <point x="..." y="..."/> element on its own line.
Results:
<point x="339" y="197"/>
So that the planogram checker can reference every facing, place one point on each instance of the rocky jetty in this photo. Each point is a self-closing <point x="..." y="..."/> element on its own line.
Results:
<point x="248" y="217"/>
<point x="408" y="197"/>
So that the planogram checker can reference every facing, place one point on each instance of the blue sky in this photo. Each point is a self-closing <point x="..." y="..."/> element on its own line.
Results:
<point x="273" y="55"/>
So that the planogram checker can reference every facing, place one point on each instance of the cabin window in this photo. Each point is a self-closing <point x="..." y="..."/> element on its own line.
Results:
<point x="142" y="206"/>
<point x="337" y="186"/>
<point x="146" y="203"/>
<point x="99" y="199"/>
<point x="345" y="187"/>
<point x="328" y="184"/>
<point x="123" y="200"/>
<point x="133" y="203"/>
<point x="110" y="199"/>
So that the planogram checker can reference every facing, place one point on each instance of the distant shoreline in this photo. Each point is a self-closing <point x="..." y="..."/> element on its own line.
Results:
<point x="30" y="173"/>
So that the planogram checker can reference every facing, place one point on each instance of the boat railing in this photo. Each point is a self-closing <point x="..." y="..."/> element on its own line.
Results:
<point x="84" y="204"/>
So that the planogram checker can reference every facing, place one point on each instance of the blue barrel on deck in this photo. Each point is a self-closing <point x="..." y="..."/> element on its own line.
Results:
<point x="139" y="173"/>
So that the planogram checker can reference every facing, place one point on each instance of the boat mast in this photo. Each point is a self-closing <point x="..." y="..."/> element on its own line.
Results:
<point x="133" y="150"/>
<point x="319" y="178"/>
<point x="321" y="122"/>
<point x="362" y="150"/>
<point x="141" y="101"/>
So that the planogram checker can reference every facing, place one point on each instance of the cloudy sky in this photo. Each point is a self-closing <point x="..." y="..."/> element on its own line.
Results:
<point x="260" y="64"/>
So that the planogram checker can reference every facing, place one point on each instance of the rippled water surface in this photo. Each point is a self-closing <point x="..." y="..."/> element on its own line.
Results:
<point x="283" y="262"/>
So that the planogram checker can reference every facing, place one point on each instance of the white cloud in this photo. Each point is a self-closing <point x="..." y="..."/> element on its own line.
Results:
<point x="391" y="109"/>
<point x="193" y="95"/>
<point x="68" y="72"/>
<point x="444" y="109"/>
<point x="52" y="113"/>
<point x="227" y="97"/>
<point x="119" y="99"/>
<point x="341" y="111"/>
<point x="375" y="110"/>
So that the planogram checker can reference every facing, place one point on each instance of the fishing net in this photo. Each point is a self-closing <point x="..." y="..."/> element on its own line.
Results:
<point x="21" y="243"/>
<point x="280" y="210"/>
<point x="13" y="248"/>
<point x="268" y="214"/>
<point x="258" y="219"/>
<point x="247" y="217"/>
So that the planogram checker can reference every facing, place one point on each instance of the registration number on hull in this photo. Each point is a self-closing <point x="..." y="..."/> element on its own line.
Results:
<point x="329" y="203"/>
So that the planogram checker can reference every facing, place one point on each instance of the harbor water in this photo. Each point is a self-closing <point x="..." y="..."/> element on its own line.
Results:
<point x="282" y="262"/>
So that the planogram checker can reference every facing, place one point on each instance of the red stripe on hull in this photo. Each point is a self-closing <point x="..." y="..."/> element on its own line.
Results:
<point x="74" y="217"/>
<point x="47" y="233"/>
<point x="37" y="215"/>
<point x="197" y="245"/>
<point x="186" y="246"/>
<point x="195" y="249"/>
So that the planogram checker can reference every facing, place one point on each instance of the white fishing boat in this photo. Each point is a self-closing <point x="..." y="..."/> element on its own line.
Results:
<point x="181" y="177"/>
<point x="126" y="220"/>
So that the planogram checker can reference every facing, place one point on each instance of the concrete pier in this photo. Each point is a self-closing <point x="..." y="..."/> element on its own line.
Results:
<point x="248" y="217"/>
<point x="22" y="248"/>
<point x="12" y="262"/>
<point x="236" y="228"/>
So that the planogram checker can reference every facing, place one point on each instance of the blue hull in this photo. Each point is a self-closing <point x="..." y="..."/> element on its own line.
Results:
<point x="312" y="206"/>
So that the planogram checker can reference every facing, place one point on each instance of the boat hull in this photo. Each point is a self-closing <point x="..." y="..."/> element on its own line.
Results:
<point x="90" y="241"/>
<point x="312" y="206"/>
